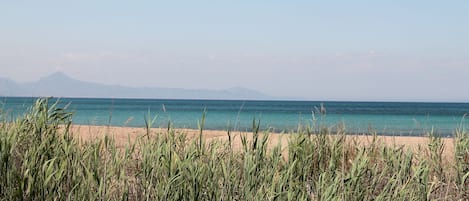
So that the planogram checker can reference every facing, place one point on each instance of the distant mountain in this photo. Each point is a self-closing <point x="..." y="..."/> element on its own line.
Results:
<point x="9" y="87"/>
<point x="60" y="85"/>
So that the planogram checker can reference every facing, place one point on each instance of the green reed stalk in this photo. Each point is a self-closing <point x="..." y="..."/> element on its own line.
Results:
<point x="40" y="159"/>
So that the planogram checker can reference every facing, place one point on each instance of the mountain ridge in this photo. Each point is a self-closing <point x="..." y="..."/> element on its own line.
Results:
<point x="59" y="84"/>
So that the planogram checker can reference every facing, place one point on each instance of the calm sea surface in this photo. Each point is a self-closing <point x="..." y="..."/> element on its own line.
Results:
<point x="390" y="118"/>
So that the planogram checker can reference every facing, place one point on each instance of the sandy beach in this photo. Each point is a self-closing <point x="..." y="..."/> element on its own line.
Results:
<point x="123" y="135"/>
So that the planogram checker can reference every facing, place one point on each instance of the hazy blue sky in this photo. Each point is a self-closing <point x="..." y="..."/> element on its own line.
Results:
<point x="328" y="50"/>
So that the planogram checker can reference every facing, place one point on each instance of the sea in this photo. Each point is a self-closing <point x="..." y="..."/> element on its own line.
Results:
<point x="383" y="118"/>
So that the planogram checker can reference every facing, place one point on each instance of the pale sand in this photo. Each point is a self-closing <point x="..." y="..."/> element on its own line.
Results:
<point x="123" y="135"/>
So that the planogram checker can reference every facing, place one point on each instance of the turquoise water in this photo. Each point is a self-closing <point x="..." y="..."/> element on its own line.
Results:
<point x="390" y="118"/>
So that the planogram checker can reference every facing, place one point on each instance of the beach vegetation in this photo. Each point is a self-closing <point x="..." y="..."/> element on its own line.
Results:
<point x="42" y="159"/>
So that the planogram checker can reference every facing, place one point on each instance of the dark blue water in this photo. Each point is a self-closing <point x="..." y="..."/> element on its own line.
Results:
<point x="390" y="118"/>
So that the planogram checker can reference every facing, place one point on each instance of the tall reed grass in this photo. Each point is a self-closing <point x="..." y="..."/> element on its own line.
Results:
<point x="40" y="159"/>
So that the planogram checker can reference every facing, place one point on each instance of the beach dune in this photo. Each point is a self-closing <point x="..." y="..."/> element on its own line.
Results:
<point x="124" y="135"/>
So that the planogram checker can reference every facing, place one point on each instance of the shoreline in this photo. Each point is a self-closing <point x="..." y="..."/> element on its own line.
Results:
<point x="123" y="135"/>
<point x="332" y="130"/>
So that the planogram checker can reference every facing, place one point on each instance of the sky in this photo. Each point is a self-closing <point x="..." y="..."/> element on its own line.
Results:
<point x="397" y="50"/>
